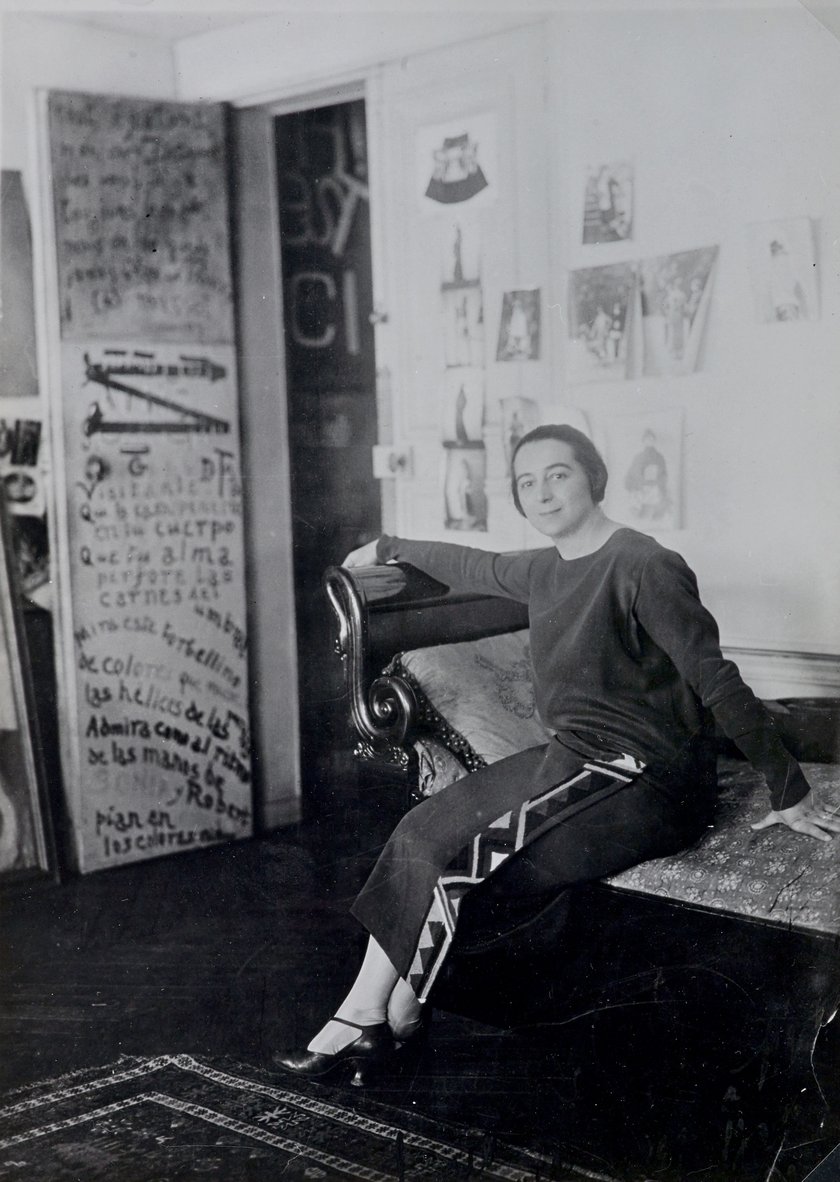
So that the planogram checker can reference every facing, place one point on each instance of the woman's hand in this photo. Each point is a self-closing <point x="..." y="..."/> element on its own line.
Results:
<point x="806" y="816"/>
<point x="364" y="556"/>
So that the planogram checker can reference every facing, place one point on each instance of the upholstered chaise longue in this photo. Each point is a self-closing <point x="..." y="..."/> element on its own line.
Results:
<point x="439" y="684"/>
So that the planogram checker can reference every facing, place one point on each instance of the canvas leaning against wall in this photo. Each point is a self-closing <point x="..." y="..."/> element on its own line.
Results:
<point x="25" y="849"/>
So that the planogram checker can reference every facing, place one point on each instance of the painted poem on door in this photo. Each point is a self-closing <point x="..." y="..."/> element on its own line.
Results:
<point x="151" y="550"/>
<point x="155" y="534"/>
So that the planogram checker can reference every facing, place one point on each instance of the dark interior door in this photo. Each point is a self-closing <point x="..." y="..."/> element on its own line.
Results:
<point x="331" y="375"/>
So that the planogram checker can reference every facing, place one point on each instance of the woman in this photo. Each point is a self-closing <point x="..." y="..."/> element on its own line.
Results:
<point x="628" y="675"/>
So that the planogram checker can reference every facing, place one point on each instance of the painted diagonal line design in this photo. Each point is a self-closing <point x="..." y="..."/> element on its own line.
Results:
<point x="491" y="848"/>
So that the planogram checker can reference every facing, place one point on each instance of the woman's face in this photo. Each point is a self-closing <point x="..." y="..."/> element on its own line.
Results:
<point x="553" y="487"/>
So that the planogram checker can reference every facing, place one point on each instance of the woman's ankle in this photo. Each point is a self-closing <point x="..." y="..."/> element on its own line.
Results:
<point x="358" y="1016"/>
<point x="405" y="1012"/>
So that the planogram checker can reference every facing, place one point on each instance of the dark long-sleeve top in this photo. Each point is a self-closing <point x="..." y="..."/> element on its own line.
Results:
<point x="625" y="656"/>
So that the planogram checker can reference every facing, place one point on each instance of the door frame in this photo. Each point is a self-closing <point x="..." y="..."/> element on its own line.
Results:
<point x="265" y="430"/>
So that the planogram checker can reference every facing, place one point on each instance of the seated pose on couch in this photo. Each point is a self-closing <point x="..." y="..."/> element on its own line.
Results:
<point x="628" y="676"/>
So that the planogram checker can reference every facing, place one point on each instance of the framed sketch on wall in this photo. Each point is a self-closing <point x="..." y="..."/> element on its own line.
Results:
<point x="25" y="844"/>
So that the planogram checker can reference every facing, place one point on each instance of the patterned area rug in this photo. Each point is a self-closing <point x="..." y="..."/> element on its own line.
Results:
<point x="176" y="1117"/>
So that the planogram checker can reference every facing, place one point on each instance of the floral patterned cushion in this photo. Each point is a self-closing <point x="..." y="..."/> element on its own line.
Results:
<point x="771" y="874"/>
<point x="477" y="696"/>
<point x="437" y="767"/>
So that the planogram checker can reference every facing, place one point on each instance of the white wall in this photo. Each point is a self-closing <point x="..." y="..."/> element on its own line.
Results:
<point x="39" y="52"/>
<point x="287" y="50"/>
<point x="730" y="117"/>
<point x="730" y="114"/>
<point x="729" y="111"/>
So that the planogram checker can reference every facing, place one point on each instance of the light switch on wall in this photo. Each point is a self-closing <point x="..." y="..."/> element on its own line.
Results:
<point x="390" y="461"/>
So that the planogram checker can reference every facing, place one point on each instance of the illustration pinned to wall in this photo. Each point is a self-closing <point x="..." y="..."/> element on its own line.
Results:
<point x="465" y="497"/>
<point x="460" y="254"/>
<point x="456" y="163"/>
<point x="21" y="456"/>
<point x="519" y="416"/>
<point x="519" y="326"/>
<point x="463" y="325"/>
<point x="783" y="267"/>
<point x="644" y="456"/>
<point x="601" y="318"/>
<point x="608" y="203"/>
<point x="30" y="546"/>
<point x="463" y="405"/>
<point x="675" y="295"/>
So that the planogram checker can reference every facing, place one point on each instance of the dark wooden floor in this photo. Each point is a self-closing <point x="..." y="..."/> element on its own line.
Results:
<point x="234" y="951"/>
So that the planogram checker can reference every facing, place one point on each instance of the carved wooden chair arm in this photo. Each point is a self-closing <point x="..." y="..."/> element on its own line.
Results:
<point x="383" y="708"/>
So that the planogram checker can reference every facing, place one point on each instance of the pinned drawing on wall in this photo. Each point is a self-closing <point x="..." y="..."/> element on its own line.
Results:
<point x="456" y="163"/>
<point x="519" y="326"/>
<point x="464" y="491"/>
<point x="23" y="474"/>
<point x="519" y="416"/>
<point x="463" y="405"/>
<point x="608" y="203"/>
<point x="783" y="267"/>
<point x="601" y="319"/>
<point x="675" y="295"/>
<point x="460" y="253"/>
<point x="644" y="457"/>
<point x="463" y="325"/>
<point x="21" y="456"/>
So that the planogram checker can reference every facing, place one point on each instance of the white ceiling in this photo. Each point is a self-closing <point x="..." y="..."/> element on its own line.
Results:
<point x="160" y="26"/>
<point x="170" y="26"/>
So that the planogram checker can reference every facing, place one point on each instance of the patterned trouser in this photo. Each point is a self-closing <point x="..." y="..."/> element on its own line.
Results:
<point x="490" y="849"/>
<point x="547" y="818"/>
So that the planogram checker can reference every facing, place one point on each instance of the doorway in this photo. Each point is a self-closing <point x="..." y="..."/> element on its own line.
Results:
<point x="327" y="281"/>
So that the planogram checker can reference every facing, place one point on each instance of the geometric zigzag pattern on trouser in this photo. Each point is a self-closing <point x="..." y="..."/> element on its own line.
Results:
<point x="495" y="843"/>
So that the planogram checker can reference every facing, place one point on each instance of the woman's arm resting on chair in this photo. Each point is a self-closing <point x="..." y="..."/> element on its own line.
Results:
<point x="461" y="568"/>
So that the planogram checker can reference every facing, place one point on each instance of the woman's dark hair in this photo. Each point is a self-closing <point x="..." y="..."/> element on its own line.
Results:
<point x="585" y="452"/>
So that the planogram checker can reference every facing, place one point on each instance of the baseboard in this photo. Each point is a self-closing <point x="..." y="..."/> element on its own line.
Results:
<point x="775" y="674"/>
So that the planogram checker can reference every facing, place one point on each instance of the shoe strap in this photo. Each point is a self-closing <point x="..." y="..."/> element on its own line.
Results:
<point x="354" y="1025"/>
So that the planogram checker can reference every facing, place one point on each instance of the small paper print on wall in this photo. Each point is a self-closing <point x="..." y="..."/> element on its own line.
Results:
<point x="465" y="498"/>
<point x="463" y="325"/>
<point x="601" y="307"/>
<point x="519" y="327"/>
<point x="608" y="203"/>
<point x="456" y="163"/>
<point x="644" y="456"/>
<point x="783" y="266"/>
<point x="463" y="405"/>
<point x="460" y="253"/>
<point x="519" y="416"/>
<point x="675" y="295"/>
